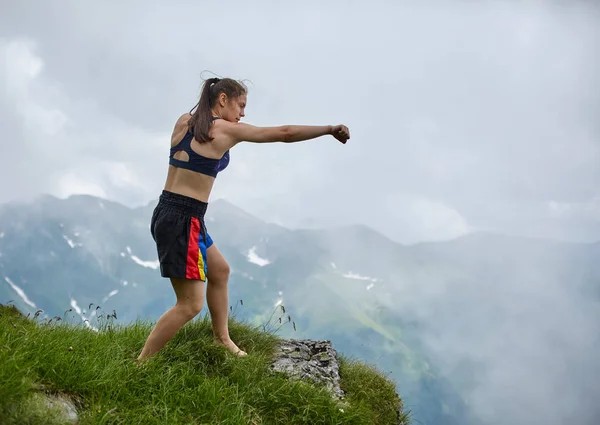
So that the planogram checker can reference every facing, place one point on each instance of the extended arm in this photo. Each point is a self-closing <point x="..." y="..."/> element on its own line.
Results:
<point x="241" y="132"/>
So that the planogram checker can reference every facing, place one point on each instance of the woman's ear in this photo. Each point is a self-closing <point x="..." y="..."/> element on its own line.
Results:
<point x="222" y="99"/>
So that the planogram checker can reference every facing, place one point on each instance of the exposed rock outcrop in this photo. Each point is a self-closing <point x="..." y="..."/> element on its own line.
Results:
<point x="314" y="361"/>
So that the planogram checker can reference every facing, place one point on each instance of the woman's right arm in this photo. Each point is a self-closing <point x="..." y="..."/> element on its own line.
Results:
<point x="240" y="132"/>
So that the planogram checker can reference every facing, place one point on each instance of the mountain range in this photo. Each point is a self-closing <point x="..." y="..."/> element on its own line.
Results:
<point x="482" y="329"/>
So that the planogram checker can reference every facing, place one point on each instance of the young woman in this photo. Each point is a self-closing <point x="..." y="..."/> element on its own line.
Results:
<point x="200" y="146"/>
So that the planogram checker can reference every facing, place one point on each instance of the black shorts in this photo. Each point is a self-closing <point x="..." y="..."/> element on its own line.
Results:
<point x="178" y="228"/>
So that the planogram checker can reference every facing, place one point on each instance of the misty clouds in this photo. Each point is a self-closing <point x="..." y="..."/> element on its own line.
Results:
<point x="462" y="116"/>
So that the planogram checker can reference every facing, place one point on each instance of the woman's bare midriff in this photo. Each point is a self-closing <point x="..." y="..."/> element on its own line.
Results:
<point x="189" y="183"/>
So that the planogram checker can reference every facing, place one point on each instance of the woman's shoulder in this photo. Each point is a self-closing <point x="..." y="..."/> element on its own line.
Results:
<point x="181" y="123"/>
<point x="183" y="119"/>
<point x="180" y="128"/>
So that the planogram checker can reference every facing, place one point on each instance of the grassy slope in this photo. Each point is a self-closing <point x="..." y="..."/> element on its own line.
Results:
<point x="191" y="381"/>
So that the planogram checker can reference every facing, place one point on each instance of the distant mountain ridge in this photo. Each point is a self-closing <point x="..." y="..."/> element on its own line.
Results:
<point x="376" y="298"/>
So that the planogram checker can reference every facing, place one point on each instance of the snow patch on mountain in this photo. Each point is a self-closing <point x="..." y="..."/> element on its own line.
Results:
<point x="351" y="275"/>
<point x="155" y="264"/>
<point x="150" y="264"/>
<point x="333" y="265"/>
<point x="75" y="306"/>
<point x="254" y="258"/>
<point x="20" y="292"/>
<point x="1" y="235"/>
<point x="111" y="293"/>
<point x="70" y="242"/>
<point x="78" y="310"/>
<point x="372" y="280"/>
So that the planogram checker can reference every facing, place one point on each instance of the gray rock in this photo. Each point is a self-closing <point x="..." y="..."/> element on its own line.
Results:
<point x="41" y="405"/>
<point x="314" y="361"/>
<point x="64" y="406"/>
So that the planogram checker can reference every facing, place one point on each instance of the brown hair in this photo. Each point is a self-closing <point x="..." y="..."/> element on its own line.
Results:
<point x="202" y="117"/>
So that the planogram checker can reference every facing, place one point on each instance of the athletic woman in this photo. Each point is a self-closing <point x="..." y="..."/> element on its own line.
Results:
<point x="200" y="146"/>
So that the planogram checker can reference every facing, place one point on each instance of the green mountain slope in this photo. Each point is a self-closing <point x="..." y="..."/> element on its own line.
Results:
<point x="191" y="381"/>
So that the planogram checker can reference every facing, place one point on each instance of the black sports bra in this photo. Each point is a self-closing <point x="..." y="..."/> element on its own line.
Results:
<point x="198" y="163"/>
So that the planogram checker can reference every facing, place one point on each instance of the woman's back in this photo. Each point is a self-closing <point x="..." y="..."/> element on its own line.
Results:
<point x="193" y="165"/>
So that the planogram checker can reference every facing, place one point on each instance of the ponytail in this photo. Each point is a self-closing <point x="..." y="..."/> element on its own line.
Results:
<point x="202" y="118"/>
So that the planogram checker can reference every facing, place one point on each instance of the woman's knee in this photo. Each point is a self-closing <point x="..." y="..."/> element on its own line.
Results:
<point x="224" y="269"/>
<point x="190" y="308"/>
<point x="219" y="274"/>
<point x="190" y="296"/>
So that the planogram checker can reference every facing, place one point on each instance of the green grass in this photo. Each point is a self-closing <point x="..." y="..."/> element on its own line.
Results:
<point x="191" y="381"/>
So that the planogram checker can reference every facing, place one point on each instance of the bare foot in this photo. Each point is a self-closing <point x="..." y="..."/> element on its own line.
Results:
<point x="141" y="362"/>
<point x="230" y="345"/>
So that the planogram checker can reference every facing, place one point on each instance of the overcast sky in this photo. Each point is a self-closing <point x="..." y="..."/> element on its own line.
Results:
<point x="463" y="115"/>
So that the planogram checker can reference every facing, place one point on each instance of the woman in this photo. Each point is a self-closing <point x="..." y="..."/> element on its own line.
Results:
<point x="200" y="146"/>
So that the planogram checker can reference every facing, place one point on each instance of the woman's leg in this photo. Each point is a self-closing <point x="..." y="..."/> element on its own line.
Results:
<point x="218" y="298"/>
<point x="190" y="299"/>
